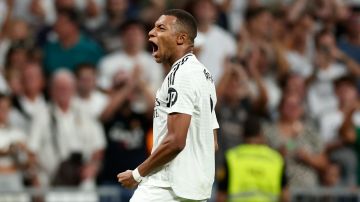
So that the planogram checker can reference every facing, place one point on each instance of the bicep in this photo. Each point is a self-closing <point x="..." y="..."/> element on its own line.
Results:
<point x="178" y="125"/>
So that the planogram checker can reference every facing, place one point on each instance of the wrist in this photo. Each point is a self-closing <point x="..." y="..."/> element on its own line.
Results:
<point x="136" y="175"/>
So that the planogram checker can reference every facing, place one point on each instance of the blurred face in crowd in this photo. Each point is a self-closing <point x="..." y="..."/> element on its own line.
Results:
<point x="13" y="78"/>
<point x="4" y="109"/>
<point x="65" y="4"/>
<point x="301" y="28"/>
<point x="205" y="12"/>
<point x="17" y="58"/>
<point x="64" y="27"/>
<point x="115" y="7"/>
<point x="353" y="25"/>
<point x="291" y="107"/>
<point x="62" y="89"/>
<point x="32" y="79"/>
<point x="19" y="30"/>
<point x="261" y="24"/>
<point x="86" y="81"/>
<point x="295" y="84"/>
<point x="163" y="38"/>
<point x="134" y="38"/>
<point x="347" y="93"/>
<point x="238" y="85"/>
<point x="327" y="41"/>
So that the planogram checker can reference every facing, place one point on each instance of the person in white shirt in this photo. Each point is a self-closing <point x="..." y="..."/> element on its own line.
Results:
<point x="218" y="43"/>
<point x="181" y="166"/>
<point x="31" y="102"/>
<point x="330" y="128"/>
<point x="332" y="64"/>
<point x="66" y="134"/>
<point x="132" y="55"/>
<point x="89" y="98"/>
<point x="12" y="145"/>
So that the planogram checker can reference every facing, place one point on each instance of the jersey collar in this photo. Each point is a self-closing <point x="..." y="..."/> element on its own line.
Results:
<point x="187" y="54"/>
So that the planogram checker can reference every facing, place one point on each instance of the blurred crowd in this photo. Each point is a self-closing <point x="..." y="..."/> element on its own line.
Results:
<point x="77" y="83"/>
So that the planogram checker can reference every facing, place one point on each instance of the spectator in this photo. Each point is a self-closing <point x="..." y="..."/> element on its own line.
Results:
<point x="90" y="11"/>
<point x="331" y="64"/>
<point x="300" y="45"/>
<point x="71" y="46"/>
<point x="217" y="44"/>
<point x="350" y="42"/>
<point x="31" y="103"/>
<point x="35" y="12"/>
<point x="235" y="105"/>
<point x="293" y="84"/>
<point x="14" y="156"/>
<point x="299" y="143"/>
<point x="63" y="162"/>
<point x="126" y="130"/>
<point x="89" y="98"/>
<point x="132" y="56"/>
<point x="108" y="31"/>
<point x="254" y="171"/>
<point x="330" y="125"/>
<point x="235" y="12"/>
<point x="350" y="134"/>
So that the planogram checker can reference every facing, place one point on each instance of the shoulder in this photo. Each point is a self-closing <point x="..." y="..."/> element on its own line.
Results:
<point x="112" y="58"/>
<point x="221" y="33"/>
<point x="188" y="69"/>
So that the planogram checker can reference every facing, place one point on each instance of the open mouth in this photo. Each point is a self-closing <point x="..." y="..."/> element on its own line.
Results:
<point x="155" y="47"/>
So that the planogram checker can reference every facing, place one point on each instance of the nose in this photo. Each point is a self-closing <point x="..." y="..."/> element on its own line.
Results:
<point x="152" y="33"/>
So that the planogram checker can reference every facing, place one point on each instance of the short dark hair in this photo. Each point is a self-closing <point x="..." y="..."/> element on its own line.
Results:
<point x="4" y="96"/>
<point x="252" y="13"/>
<point x="252" y="126"/>
<point x="129" y="23"/>
<point x="83" y="66"/>
<point x="347" y="79"/>
<point x="186" y="20"/>
<point x="71" y="14"/>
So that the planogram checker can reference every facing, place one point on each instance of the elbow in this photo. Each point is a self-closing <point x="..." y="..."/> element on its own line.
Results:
<point x="176" y="145"/>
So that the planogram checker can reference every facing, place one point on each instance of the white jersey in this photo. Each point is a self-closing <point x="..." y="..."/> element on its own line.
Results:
<point x="189" y="89"/>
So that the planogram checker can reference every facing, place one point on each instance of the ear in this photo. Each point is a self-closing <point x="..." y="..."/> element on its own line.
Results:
<point x="181" y="38"/>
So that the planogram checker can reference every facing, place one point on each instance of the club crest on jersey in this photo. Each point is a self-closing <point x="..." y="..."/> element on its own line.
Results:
<point x="171" y="97"/>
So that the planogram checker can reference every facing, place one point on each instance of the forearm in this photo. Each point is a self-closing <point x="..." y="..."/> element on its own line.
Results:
<point x="319" y="162"/>
<point x="166" y="152"/>
<point x="115" y="102"/>
<point x="353" y="67"/>
<point x="347" y="132"/>
<point x="261" y="101"/>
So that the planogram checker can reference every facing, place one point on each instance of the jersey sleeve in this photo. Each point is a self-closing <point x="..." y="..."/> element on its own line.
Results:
<point x="181" y="95"/>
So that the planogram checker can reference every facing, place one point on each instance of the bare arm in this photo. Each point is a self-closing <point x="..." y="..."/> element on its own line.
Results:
<point x="347" y="131"/>
<point x="173" y="143"/>
<point x="116" y="100"/>
<point x="216" y="140"/>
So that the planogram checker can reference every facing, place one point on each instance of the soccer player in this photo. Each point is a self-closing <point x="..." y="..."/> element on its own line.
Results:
<point x="182" y="163"/>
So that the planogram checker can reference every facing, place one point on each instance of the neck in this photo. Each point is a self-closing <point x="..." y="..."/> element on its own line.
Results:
<point x="286" y="121"/>
<point x="204" y="27"/>
<point x="85" y="94"/>
<point x="70" y="40"/>
<point x="255" y="140"/>
<point x="64" y="107"/>
<point x="31" y="96"/>
<point x="131" y="52"/>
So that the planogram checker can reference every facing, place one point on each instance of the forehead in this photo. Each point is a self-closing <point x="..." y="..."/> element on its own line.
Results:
<point x="166" y="20"/>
